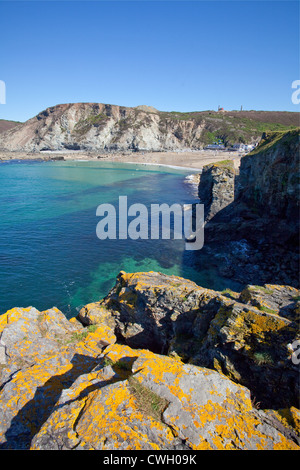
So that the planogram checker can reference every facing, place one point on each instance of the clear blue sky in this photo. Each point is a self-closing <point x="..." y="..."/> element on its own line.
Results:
<point x="173" y="55"/>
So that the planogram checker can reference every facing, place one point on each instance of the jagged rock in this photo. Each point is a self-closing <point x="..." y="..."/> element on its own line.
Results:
<point x="96" y="313"/>
<point x="269" y="177"/>
<point x="105" y="127"/>
<point x="282" y="300"/>
<point x="264" y="212"/>
<point x="199" y="409"/>
<point x="240" y="337"/>
<point x="44" y="353"/>
<point x="216" y="187"/>
<point x="60" y="389"/>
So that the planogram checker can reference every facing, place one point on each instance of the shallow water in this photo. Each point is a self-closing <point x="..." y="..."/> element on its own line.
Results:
<point x="49" y="252"/>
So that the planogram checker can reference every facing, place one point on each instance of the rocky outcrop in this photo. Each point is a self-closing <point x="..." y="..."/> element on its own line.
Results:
<point x="103" y="127"/>
<point x="269" y="177"/>
<point x="216" y="187"/>
<point x="68" y="386"/>
<point x="264" y="193"/>
<point x="259" y="210"/>
<point x="245" y="336"/>
<point x="159" y="403"/>
<point x="100" y="127"/>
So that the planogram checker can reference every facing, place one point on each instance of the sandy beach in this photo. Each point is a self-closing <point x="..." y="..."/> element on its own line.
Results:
<point x="185" y="159"/>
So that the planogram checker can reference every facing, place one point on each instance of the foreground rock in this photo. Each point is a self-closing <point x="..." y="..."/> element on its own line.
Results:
<point x="41" y="353"/>
<point x="246" y="336"/>
<point x="66" y="386"/>
<point x="159" y="403"/>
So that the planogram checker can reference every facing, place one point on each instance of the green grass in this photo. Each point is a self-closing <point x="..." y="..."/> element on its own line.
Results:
<point x="78" y="336"/>
<point x="264" y="290"/>
<point x="229" y="293"/>
<point x="148" y="402"/>
<point x="296" y="298"/>
<point x="225" y="164"/>
<point x="262" y="358"/>
<point x="84" y="125"/>
<point x="272" y="139"/>
<point x="262" y="308"/>
<point x="97" y="118"/>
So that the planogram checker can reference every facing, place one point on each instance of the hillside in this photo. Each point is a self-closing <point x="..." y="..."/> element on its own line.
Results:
<point x="104" y="127"/>
<point x="6" y="125"/>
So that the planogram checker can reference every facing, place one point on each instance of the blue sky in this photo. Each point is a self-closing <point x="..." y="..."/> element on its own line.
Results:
<point x="173" y="55"/>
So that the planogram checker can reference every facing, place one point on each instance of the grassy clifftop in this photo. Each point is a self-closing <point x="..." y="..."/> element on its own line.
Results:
<point x="236" y="126"/>
<point x="270" y="140"/>
<point x="6" y="125"/>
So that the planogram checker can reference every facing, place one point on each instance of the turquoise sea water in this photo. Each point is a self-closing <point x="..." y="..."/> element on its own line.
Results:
<point x="49" y="252"/>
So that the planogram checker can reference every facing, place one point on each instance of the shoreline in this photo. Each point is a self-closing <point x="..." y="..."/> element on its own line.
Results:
<point x="192" y="160"/>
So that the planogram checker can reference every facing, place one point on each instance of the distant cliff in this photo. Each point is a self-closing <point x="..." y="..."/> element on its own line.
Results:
<point x="104" y="127"/>
<point x="6" y="125"/>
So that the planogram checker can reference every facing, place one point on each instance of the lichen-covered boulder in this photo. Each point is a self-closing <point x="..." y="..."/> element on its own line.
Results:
<point x="68" y="386"/>
<point x="158" y="403"/>
<point x="41" y="354"/>
<point x="249" y="336"/>
<point x="281" y="300"/>
<point x="96" y="313"/>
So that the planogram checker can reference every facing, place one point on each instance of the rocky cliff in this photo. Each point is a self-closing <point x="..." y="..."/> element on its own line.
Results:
<point x="253" y="216"/>
<point x="106" y="385"/>
<point x="216" y="190"/>
<point x="103" y="127"/>
<point x="269" y="177"/>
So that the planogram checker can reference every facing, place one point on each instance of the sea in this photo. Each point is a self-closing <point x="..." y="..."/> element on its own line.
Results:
<point x="50" y="254"/>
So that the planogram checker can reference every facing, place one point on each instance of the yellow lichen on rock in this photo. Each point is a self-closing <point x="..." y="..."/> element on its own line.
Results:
<point x="69" y="386"/>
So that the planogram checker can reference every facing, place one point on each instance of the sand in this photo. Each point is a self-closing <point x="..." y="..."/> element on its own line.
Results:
<point x="186" y="159"/>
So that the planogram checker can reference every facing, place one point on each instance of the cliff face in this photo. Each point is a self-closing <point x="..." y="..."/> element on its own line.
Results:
<point x="216" y="190"/>
<point x="103" y="127"/>
<point x="258" y="208"/>
<point x="88" y="126"/>
<point x="269" y="176"/>
<point x="69" y="386"/>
